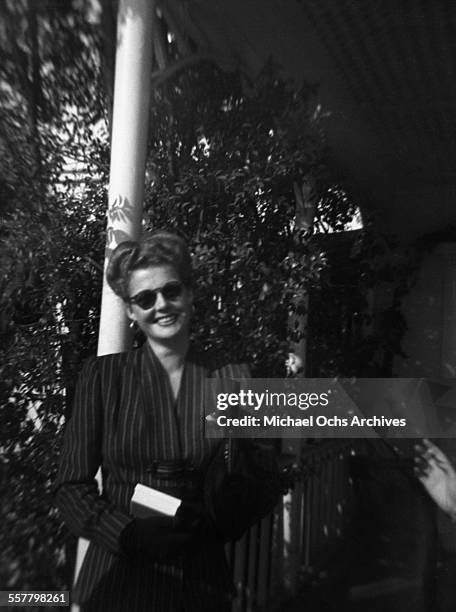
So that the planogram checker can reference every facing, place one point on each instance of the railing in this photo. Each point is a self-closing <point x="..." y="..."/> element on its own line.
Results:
<point x="305" y="531"/>
<point x="251" y="560"/>
<point x="326" y="503"/>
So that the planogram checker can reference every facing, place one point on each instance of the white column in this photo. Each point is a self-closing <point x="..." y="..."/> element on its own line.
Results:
<point x="132" y="88"/>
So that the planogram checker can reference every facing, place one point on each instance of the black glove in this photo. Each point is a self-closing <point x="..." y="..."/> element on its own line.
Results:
<point x="159" y="538"/>
<point x="235" y="506"/>
<point x="189" y="516"/>
<point x="192" y="516"/>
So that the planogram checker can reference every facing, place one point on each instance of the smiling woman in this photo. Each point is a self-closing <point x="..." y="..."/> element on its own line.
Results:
<point x="140" y="416"/>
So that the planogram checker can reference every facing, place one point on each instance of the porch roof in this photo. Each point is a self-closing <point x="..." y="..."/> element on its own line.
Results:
<point x="386" y="72"/>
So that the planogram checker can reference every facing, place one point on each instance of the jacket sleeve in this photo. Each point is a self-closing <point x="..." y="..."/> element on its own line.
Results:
<point x="84" y="510"/>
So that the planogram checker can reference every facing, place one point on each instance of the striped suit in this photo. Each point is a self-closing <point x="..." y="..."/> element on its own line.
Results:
<point x="126" y="420"/>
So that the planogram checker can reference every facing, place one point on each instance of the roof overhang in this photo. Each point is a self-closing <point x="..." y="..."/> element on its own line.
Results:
<point x="386" y="75"/>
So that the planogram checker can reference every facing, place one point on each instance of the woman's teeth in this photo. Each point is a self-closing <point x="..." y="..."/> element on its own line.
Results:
<point x="166" y="320"/>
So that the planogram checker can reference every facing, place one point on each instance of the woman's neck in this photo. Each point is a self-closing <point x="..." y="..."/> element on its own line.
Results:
<point x="171" y="354"/>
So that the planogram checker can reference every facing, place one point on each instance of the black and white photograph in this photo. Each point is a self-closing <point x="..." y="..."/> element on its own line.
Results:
<point x="228" y="305"/>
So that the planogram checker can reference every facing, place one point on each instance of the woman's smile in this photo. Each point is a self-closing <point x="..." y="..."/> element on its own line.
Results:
<point x="166" y="319"/>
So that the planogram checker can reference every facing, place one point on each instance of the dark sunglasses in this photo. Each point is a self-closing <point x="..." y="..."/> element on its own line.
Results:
<point x="146" y="299"/>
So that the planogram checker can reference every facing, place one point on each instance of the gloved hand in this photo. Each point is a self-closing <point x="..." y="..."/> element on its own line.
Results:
<point x="235" y="506"/>
<point x="190" y="516"/>
<point x="159" y="538"/>
<point x="241" y="486"/>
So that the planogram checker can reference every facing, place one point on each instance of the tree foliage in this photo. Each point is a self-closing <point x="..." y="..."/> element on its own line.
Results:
<point x="229" y="186"/>
<point x="227" y="162"/>
<point x="52" y="176"/>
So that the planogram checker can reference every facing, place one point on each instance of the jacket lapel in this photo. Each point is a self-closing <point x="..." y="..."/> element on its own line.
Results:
<point x="190" y="411"/>
<point x="158" y="406"/>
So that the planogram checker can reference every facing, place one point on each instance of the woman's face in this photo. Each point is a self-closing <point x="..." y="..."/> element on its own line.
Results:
<point x="166" y="303"/>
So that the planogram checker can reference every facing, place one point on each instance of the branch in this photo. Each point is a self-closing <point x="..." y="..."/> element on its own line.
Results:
<point x="109" y="30"/>
<point x="182" y="42"/>
<point x="160" y="76"/>
<point x="94" y="263"/>
<point x="160" y="50"/>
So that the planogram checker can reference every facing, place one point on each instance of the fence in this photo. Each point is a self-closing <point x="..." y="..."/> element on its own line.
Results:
<point x="299" y="541"/>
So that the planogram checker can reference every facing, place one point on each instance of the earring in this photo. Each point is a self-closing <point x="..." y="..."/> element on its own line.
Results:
<point x="132" y="324"/>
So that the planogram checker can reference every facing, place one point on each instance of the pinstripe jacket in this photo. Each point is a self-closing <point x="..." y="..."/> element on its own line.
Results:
<point x="126" y="420"/>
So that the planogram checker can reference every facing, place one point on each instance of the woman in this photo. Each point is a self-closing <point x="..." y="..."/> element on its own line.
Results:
<point x="139" y="415"/>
